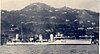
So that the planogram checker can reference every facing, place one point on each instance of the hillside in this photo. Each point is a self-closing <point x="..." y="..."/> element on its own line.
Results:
<point x="41" y="18"/>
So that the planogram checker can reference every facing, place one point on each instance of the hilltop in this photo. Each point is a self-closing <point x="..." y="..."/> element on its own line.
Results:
<point x="42" y="18"/>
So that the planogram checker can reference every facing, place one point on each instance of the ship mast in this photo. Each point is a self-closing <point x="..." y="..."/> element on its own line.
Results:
<point x="65" y="3"/>
<point x="22" y="30"/>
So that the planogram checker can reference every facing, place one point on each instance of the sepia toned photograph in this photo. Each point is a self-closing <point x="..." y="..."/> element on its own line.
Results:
<point x="49" y="26"/>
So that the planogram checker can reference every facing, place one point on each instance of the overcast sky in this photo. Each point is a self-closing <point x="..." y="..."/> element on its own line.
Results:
<point x="79" y="4"/>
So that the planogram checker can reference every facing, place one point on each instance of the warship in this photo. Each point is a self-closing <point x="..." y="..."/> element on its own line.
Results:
<point x="58" y="39"/>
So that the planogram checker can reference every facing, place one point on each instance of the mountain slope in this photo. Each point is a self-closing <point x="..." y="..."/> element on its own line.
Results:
<point x="41" y="18"/>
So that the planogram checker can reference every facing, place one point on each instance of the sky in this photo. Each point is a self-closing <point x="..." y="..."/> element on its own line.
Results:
<point x="78" y="4"/>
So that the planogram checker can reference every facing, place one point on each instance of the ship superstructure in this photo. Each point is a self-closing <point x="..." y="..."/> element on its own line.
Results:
<point x="57" y="39"/>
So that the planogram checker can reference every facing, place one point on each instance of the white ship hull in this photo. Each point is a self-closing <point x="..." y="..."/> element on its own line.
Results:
<point x="58" y="42"/>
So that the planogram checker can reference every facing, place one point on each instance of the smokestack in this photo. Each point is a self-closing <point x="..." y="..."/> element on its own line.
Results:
<point x="58" y="34"/>
<point x="61" y="35"/>
<point x="40" y="38"/>
<point x="51" y="37"/>
<point x="17" y="35"/>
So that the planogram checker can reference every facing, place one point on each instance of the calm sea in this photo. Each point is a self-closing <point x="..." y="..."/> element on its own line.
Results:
<point x="49" y="49"/>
